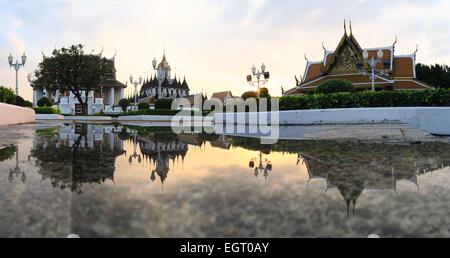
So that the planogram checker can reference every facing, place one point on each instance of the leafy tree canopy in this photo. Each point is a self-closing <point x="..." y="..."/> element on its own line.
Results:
<point x="70" y="69"/>
<point x="124" y="103"/>
<point x="435" y="75"/>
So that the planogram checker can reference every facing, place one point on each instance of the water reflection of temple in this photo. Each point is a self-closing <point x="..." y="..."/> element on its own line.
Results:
<point x="159" y="153"/>
<point x="380" y="170"/>
<point x="163" y="151"/>
<point x="351" y="183"/>
<point x="353" y="167"/>
<point x="77" y="155"/>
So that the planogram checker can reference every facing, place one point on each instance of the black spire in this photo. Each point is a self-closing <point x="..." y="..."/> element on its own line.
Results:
<point x="184" y="85"/>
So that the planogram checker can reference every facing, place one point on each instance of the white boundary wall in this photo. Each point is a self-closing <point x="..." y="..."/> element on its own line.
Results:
<point x="10" y="114"/>
<point x="49" y="117"/>
<point x="434" y="120"/>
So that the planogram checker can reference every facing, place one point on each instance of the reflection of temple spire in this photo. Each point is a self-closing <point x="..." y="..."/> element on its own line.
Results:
<point x="349" y="203"/>
<point x="352" y="180"/>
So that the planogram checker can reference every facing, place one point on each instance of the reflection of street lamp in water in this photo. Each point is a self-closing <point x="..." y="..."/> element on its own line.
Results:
<point x="263" y="167"/>
<point x="17" y="171"/>
<point x="135" y="155"/>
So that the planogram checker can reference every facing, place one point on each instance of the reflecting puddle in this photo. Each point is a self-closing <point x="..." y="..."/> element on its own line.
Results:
<point x="95" y="180"/>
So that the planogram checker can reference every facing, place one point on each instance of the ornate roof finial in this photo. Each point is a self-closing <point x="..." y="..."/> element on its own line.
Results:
<point x="297" y="82"/>
<point x="101" y="52"/>
<point x="395" y="42"/>
<point x="345" y="27"/>
<point x="323" y="46"/>
<point x="164" y="49"/>
<point x="306" y="58"/>
<point x="417" y="50"/>
<point x="351" y="30"/>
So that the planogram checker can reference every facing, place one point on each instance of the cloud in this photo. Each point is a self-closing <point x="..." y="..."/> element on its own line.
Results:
<point x="216" y="41"/>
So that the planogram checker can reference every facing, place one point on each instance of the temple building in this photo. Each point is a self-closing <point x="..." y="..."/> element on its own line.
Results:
<point x="346" y="62"/>
<point x="171" y="88"/>
<point x="105" y="100"/>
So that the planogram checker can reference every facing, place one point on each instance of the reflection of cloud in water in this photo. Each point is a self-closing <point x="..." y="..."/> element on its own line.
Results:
<point x="238" y="208"/>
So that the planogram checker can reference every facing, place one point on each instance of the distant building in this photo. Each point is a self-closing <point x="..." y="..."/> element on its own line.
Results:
<point x="171" y="88"/>
<point x="106" y="100"/>
<point x="225" y="97"/>
<point x="346" y="62"/>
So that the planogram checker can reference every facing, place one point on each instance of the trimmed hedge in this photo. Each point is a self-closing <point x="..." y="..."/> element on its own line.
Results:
<point x="46" y="110"/>
<point x="367" y="99"/>
<point x="335" y="86"/>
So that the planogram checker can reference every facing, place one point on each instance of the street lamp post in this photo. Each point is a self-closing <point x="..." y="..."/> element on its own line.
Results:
<point x="17" y="67"/>
<point x="372" y="63"/>
<point x="261" y="168"/>
<point x="258" y="78"/>
<point x="135" y="155"/>
<point x="136" y="83"/>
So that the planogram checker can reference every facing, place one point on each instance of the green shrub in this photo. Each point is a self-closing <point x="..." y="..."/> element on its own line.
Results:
<point x="367" y="99"/>
<point x="335" y="86"/>
<point x="46" y="110"/>
<point x="7" y="96"/>
<point x="249" y="95"/>
<point x="44" y="102"/>
<point x="163" y="104"/>
<point x="143" y="106"/>
<point x="23" y="103"/>
<point x="124" y="103"/>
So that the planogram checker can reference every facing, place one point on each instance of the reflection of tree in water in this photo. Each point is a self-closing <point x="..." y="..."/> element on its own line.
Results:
<point x="72" y="163"/>
<point x="7" y="153"/>
<point x="353" y="168"/>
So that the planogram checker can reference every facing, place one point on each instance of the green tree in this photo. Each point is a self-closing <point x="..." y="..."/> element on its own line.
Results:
<point x="124" y="104"/>
<point x="264" y="93"/>
<point x="335" y="86"/>
<point x="435" y="75"/>
<point x="70" y="69"/>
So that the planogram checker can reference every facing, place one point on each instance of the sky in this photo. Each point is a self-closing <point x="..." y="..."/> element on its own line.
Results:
<point x="216" y="42"/>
